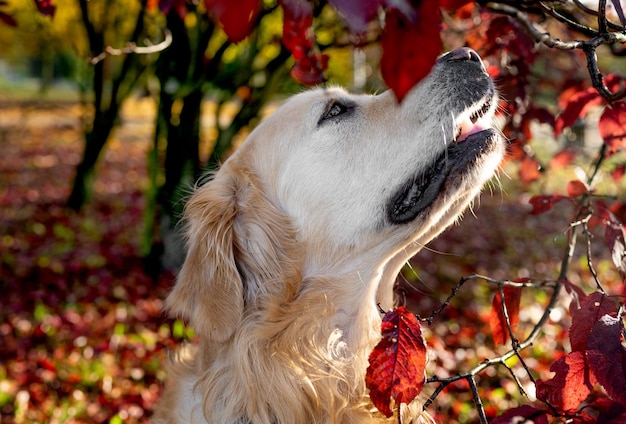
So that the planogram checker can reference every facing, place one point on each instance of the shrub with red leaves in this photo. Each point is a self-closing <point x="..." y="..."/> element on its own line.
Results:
<point x="544" y="58"/>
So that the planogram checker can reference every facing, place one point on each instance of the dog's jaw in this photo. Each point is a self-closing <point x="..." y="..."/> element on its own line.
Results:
<point x="475" y="139"/>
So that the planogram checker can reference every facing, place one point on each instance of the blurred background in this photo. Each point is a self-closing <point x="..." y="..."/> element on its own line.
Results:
<point x="101" y="142"/>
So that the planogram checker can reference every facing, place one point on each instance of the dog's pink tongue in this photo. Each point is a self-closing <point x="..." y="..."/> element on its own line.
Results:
<point x="468" y="128"/>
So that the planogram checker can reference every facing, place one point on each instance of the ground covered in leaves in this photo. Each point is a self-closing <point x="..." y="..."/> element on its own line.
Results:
<point x="83" y="336"/>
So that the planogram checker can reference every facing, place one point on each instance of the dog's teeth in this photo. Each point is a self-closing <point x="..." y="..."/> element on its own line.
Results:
<point x="485" y="108"/>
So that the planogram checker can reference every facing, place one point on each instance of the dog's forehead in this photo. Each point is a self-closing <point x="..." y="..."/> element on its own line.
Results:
<point x="319" y="97"/>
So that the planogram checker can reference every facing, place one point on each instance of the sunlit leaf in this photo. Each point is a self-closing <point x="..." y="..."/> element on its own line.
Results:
<point x="409" y="48"/>
<point x="562" y="159"/>
<point x="618" y="172"/>
<point x="299" y="39"/>
<point x="453" y="5"/>
<point x="45" y="7"/>
<point x="607" y="357"/>
<point x="237" y="18"/>
<point x="529" y="170"/>
<point x="523" y="414"/>
<point x="578" y="105"/>
<point x="612" y="126"/>
<point x="592" y="308"/>
<point x="576" y="188"/>
<point x="397" y="363"/>
<point x="543" y="203"/>
<point x="571" y="384"/>
<point x="497" y="319"/>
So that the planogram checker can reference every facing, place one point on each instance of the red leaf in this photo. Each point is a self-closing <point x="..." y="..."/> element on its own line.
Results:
<point x="299" y="39"/>
<point x="606" y="355"/>
<point x="453" y="5"/>
<point x="410" y="49"/>
<point x="562" y="159"/>
<point x="529" y="170"/>
<point x="618" y="172"/>
<point x="611" y="412"/>
<point x="543" y="203"/>
<point x="612" y="126"/>
<point x="522" y="414"/>
<point x="462" y="8"/>
<point x="592" y="308"/>
<point x="577" y="106"/>
<point x="47" y="364"/>
<point x="7" y="19"/>
<point x="497" y="320"/>
<point x="397" y="363"/>
<point x="576" y="188"/>
<point x="358" y="13"/>
<point x="45" y="7"/>
<point x="236" y="17"/>
<point x="571" y="384"/>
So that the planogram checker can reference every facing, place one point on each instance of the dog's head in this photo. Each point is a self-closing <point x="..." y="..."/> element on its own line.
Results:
<point x="334" y="183"/>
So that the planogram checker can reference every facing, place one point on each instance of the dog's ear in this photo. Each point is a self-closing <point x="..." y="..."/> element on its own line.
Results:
<point x="209" y="288"/>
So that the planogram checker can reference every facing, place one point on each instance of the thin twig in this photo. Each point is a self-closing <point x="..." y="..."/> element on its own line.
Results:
<point x="612" y="25"/>
<point x="516" y="379"/>
<point x="134" y="48"/>
<point x="588" y="237"/>
<point x="507" y="319"/>
<point x="500" y="360"/>
<point x="478" y="401"/>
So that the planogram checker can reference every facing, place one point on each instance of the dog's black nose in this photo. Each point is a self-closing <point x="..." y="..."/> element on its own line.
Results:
<point x="464" y="53"/>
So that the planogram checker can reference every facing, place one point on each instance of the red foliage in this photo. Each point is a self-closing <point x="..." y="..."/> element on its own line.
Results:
<point x="618" y="172"/>
<point x="238" y="18"/>
<point x="357" y="13"/>
<point x="543" y="203"/>
<point x="562" y="159"/>
<point x="570" y="386"/>
<point x="597" y="357"/>
<point x="577" y="106"/>
<point x="45" y="7"/>
<point x="529" y="170"/>
<point x="522" y="414"/>
<point x="613" y="127"/>
<point x="453" y="5"/>
<point x="584" y="317"/>
<point x="576" y="188"/>
<point x="498" y="321"/>
<point x="410" y="47"/>
<point x="607" y="357"/>
<point x="397" y="363"/>
<point x="299" y="39"/>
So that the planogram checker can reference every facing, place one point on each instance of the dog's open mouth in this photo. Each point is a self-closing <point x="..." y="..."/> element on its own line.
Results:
<point x="475" y="137"/>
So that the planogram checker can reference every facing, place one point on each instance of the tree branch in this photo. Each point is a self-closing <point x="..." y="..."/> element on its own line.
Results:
<point x="601" y="36"/>
<point x="132" y="47"/>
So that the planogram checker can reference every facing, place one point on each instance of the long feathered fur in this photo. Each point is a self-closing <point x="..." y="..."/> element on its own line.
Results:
<point x="270" y="350"/>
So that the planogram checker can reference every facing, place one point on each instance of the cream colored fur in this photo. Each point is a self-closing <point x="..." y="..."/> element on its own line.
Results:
<point x="290" y="252"/>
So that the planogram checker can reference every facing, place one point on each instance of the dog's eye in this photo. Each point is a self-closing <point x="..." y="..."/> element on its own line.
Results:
<point x="334" y="109"/>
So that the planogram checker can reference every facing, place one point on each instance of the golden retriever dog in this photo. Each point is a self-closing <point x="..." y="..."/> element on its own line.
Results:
<point x="295" y="243"/>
